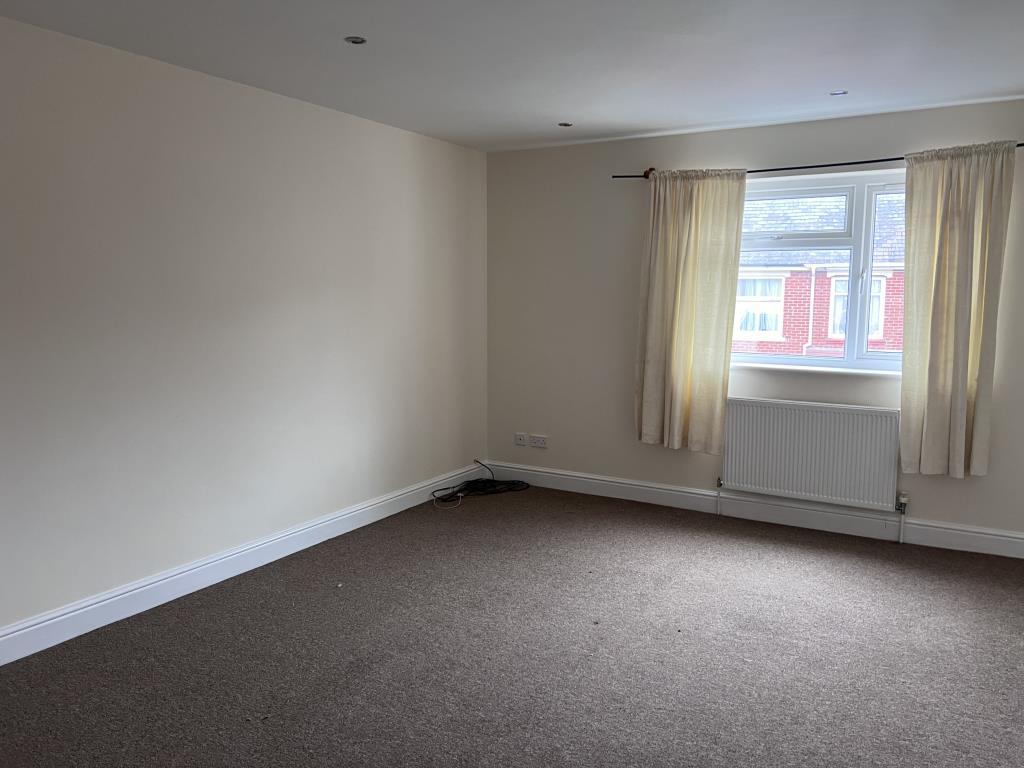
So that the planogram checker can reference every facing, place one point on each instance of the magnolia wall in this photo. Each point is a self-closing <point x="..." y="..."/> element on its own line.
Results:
<point x="564" y="244"/>
<point x="222" y="313"/>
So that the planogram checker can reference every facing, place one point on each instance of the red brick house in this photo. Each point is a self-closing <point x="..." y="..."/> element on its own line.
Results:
<point x="778" y="312"/>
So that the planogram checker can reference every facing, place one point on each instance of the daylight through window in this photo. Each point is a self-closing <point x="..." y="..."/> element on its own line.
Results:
<point x="821" y="272"/>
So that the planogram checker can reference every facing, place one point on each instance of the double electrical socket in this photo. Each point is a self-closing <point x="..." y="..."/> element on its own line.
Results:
<point x="534" y="441"/>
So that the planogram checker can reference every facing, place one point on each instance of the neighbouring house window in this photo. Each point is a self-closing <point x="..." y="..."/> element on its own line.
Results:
<point x="759" y="308"/>
<point x="840" y="302"/>
<point x="821" y="271"/>
<point x="875" y="308"/>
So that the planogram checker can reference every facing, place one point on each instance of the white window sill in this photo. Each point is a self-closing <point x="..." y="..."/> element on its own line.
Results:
<point x="886" y="374"/>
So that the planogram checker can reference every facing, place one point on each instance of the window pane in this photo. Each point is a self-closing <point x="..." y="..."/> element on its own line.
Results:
<point x="885" y="316"/>
<point x="839" y="309"/>
<point x="768" y="320"/>
<point x="875" y="316"/>
<point x="759" y="287"/>
<point x="758" y="318"/>
<point x="781" y="311"/>
<point x="779" y="215"/>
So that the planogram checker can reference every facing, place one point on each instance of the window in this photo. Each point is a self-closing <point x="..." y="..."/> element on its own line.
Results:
<point x="808" y="213"/>
<point x="758" y="308"/>
<point x="821" y="271"/>
<point x="839" y="305"/>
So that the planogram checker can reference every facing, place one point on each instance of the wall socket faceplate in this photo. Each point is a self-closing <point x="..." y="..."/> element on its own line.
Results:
<point x="522" y="438"/>
<point x="538" y="441"/>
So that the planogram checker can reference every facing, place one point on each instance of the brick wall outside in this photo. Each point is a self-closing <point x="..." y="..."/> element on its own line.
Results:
<point x="796" y="318"/>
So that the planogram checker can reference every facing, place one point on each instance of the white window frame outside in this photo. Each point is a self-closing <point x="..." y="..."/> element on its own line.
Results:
<point x="880" y="334"/>
<point x="832" y="293"/>
<point x="779" y="275"/>
<point x="861" y="187"/>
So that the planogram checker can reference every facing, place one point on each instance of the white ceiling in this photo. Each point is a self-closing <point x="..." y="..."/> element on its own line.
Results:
<point x="501" y="73"/>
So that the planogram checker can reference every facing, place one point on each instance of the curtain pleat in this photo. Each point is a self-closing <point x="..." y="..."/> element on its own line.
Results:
<point x="687" y="307"/>
<point x="958" y="205"/>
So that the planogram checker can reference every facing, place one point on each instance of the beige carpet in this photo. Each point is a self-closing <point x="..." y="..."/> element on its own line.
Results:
<point x="551" y="629"/>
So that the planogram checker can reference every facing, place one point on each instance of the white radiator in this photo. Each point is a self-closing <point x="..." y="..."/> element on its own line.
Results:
<point x="838" y="454"/>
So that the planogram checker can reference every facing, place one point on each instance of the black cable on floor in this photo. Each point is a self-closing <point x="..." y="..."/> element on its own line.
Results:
<point x="451" y="497"/>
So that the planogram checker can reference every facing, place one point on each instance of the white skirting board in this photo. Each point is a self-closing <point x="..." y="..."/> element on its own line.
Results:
<point x="969" y="538"/>
<point x="48" y="629"/>
<point x="824" y="517"/>
<point x="613" y="487"/>
<point x="35" y="634"/>
<point x="821" y="517"/>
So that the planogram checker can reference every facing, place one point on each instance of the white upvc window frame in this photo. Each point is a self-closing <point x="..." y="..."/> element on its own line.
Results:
<point x="861" y="187"/>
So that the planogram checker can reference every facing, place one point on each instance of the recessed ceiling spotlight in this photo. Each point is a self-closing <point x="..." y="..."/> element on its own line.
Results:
<point x="565" y="125"/>
<point x="838" y="93"/>
<point x="355" y="40"/>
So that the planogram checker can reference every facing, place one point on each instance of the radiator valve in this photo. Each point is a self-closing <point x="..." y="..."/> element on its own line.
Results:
<point x="902" y="500"/>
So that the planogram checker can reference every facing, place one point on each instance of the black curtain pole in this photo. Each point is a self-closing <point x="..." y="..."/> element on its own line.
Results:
<point x="647" y="174"/>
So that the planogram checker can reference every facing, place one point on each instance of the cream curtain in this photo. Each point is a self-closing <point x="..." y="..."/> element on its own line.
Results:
<point x="687" y="307"/>
<point x="958" y="203"/>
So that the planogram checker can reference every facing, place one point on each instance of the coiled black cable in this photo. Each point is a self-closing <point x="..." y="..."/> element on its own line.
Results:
<point x="451" y="497"/>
